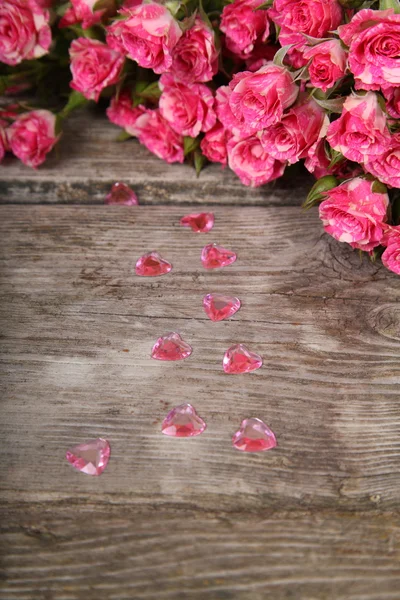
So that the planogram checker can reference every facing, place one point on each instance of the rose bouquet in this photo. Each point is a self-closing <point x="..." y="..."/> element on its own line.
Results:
<point x="256" y="86"/>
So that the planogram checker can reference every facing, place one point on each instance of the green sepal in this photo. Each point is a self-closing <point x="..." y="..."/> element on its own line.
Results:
<point x="75" y="100"/>
<point x="336" y="158"/>
<point x="199" y="161"/>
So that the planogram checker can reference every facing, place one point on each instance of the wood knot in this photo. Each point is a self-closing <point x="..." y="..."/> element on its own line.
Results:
<point x="386" y="320"/>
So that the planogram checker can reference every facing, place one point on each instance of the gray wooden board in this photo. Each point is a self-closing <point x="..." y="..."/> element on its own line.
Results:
<point x="315" y="518"/>
<point x="88" y="160"/>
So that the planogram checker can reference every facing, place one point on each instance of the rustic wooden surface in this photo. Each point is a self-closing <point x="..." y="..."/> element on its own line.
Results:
<point x="315" y="519"/>
<point x="87" y="161"/>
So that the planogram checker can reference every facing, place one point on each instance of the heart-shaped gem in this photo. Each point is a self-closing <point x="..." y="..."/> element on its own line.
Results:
<point x="152" y="265"/>
<point x="253" y="436"/>
<point x="214" y="256"/>
<point x="219" y="307"/>
<point x="183" y="421"/>
<point x="171" y="347"/>
<point x="199" y="222"/>
<point x="122" y="194"/>
<point x="90" y="458"/>
<point x="239" y="359"/>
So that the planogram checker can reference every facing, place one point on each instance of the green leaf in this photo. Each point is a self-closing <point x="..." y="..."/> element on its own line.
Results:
<point x="61" y="8"/>
<point x="378" y="187"/>
<point x="334" y="106"/>
<point x="315" y="195"/>
<point x="313" y="41"/>
<point x="150" y="92"/>
<point x="199" y="161"/>
<point x="75" y="100"/>
<point x="123" y="136"/>
<point x="280" y="55"/>
<point x="385" y="4"/>
<point x="265" y="5"/>
<point x="189" y="144"/>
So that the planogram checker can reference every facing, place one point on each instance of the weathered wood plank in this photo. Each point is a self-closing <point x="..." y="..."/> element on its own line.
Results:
<point x="88" y="160"/>
<point x="77" y="327"/>
<point x="99" y="552"/>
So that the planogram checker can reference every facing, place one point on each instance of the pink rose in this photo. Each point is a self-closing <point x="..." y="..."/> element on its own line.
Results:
<point x="122" y="112"/>
<point x="373" y="37"/>
<point x="24" y="31"/>
<point x="94" y="66"/>
<point x="3" y="139"/>
<point x="157" y="135"/>
<point x="259" y="99"/>
<point x="386" y="166"/>
<point x="313" y="17"/>
<point x="251" y="163"/>
<point x="391" y="256"/>
<point x="195" y="57"/>
<point x="32" y="136"/>
<point x="213" y="145"/>
<point x="290" y="138"/>
<point x="244" y="26"/>
<point x="328" y="63"/>
<point x="187" y="108"/>
<point x="392" y="95"/>
<point x="361" y="131"/>
<point x="147" y="35"/>
<point x="82" y="11"/>
<point x="353" y="213"/>
<point x="225" y="114"/>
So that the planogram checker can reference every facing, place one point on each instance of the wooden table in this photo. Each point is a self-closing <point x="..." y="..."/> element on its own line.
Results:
<point x="315" y="519"/>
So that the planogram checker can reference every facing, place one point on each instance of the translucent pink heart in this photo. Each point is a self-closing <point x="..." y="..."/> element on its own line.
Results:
<point x="239" y="359"/>
<point x="219" y="307"/>
<point x="171" y="347"/>
<point x="214" y="256"/>
<point x="254" y="436"/>
<point x="122" y="194"/>
<point x="90" y="458"/>
<point x="199" y="222"/>
<point x="152" y="265"/>
<point x="183" y="421"/>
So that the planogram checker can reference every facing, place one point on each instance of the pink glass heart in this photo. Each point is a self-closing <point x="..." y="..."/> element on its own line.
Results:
<point x="253" y="436"/>
<point x="171" y="347"/>
<point x="214" y="256"/>
<point x="199" y="222"/>
<point x="152" y="265"/>
<point x="219" y="307"/>
<point x="239" y="359"/>
<point x="90" y="458"/>
<point x="122" y="194"/>
<point x="183" y="421"/>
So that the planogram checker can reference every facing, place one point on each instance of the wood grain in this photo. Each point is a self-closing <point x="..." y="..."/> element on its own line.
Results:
<point x="314" y="519"/>
<point x="103" y="553"/>
<point x="88" y="160"/>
